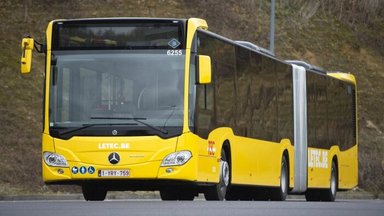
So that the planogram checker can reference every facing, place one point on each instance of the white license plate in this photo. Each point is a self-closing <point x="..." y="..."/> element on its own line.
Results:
<point x="113" y="173"/>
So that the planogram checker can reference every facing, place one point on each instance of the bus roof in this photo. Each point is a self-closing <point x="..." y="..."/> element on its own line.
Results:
<point x="347" y="77"/>
<point x="255" y="47"/>
<point x="307" y="66"/>
<point x="119" y="19"/>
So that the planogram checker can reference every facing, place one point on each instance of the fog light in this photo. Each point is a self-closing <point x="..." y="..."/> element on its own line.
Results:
<point x="60" y="171"/>
<point x="169" y="170"/>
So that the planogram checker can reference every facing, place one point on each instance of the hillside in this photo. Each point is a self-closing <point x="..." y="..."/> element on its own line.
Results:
<point x="337" y="35"/>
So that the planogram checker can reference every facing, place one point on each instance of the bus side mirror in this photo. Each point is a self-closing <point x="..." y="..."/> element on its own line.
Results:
<point x="204" y="70"/>
<point x="26" y="56"/>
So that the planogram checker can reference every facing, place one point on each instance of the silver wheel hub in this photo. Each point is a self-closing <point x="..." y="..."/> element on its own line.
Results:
<point x="224" y="167"/>
<point x="283" y="181"/>
<point x="333" y="182"/>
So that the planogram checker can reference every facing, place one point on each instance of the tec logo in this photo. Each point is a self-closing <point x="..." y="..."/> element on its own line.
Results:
<point x="211" y="148"/>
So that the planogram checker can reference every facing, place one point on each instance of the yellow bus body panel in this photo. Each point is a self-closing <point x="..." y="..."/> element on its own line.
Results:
<point x="319" y="175"/>
<point x="141" y="156"/>
<point x="348" y="168"/>
<point x="254" y="162"/>
<point x="319" y="166"/>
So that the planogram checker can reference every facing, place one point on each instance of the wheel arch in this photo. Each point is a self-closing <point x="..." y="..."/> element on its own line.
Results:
<point x="336" y="161"/>
<point x="227" y="149"/>
<point x="334" y="156"/>
<point x="287" y="151"/>
<point x="286" y="155"/>
<point x="222" y="137"/>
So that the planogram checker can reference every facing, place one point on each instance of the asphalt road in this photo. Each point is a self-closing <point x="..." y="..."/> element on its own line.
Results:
<point x="156" y="207"/>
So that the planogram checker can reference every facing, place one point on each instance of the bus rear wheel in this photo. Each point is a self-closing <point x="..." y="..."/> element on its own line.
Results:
<point x="218" y="191"/>
<point x="94" y="193"/>
<point x="281" y="193"/>
<point x="328" y="195"/>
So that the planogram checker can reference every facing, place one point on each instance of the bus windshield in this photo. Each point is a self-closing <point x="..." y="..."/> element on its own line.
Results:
<point x="113" y="87"/>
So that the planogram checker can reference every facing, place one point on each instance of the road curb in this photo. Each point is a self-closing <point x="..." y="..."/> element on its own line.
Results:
<point x="41" y="197"/>
<point x="78" y="196"/>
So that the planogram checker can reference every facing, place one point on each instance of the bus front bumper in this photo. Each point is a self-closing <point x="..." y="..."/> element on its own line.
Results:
<point x="151" y="171"/>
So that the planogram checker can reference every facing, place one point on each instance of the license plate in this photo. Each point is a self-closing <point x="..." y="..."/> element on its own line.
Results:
<point x="113" y="173"/>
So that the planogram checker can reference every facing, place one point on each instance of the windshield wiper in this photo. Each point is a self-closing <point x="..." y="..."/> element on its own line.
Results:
<point x="90" y="125"/>
<point x="162" y="130"/>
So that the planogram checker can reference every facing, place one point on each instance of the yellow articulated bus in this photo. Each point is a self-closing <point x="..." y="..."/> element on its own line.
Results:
<point x="164" y="104"/>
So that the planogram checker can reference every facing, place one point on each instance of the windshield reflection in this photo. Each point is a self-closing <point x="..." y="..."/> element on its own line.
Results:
<point x="97" y="87"/>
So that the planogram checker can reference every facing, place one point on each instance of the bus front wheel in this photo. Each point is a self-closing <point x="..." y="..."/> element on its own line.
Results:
<point x="171" y="194"/>
<point x="218" y="191"/>
<point x="94" y="193"/>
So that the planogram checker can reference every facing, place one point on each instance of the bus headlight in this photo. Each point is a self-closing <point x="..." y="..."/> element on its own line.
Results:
<point x="176" y="158"/>
<point x="55" y="160"/>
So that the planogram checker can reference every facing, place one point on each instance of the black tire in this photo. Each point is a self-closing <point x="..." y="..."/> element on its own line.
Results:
<point x="328" y="195"/>
<point x="232" y="194"/>
<point x="281" y="193"/>
<point x="218" y="191"/>
<point x="94" y="193"/>
<point x="177" y="194"/>
<point x="168" y="195"/>
<point x="187" y="196"/>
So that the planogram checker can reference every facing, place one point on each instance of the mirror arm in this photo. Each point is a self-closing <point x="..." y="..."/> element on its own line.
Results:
<point x="40" y="47"/>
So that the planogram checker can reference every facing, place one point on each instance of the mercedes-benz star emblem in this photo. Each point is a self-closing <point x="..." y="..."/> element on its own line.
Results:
<point x="114" y="132"/>
<point x="114" y="158"/>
